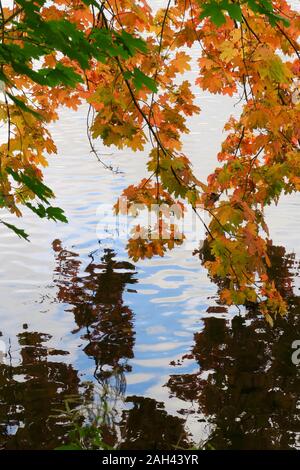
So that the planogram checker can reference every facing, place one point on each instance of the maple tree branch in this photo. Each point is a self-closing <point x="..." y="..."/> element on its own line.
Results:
<point x="93" y="150"/>
<point x="204" y="224"/>
<point x="246" y="68"/>
<point x="295" y="47"/>
<point x="252" y="161"/>
<point x="240" y="141"/>
<point x="221" y="225"/>
<point x="12" y="16"/>
<point x="250" y="29"/>
<point x="151" y="114"/>
<point x="134" y="99"/>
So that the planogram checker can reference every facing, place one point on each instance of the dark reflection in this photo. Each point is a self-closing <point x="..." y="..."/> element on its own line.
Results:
<point x="148" y="426"/>
<point x="31" y="391"/>
<point x="247" y="387"/>
<point x="96" y="299"/>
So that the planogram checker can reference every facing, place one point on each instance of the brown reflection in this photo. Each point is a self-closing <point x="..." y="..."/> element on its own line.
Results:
<point x="247" y="388"/>
<point x="31" y="391"/>
<point x="147" y="426"/>
<point x="95" y="295"/>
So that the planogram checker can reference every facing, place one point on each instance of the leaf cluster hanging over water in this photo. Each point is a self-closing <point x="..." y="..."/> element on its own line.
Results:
<point x="129" y="63"/>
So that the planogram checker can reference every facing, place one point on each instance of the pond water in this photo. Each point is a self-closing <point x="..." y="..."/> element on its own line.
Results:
<point x="150" y="339"/>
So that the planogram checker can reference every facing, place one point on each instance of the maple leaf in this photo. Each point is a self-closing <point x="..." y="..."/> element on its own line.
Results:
<point x="181" y="62"/>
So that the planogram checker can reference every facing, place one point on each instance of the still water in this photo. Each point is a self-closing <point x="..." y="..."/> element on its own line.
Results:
<point x="150" y="339"/>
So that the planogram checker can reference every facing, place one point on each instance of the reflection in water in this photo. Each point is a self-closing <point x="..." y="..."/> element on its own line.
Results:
<point x="96" y="297"/>
<point x="33" y="390"/>
<point x="29" y="394"/>
<point x="148" y="426"/>
<point x="105" y="323"/>
<point x="247" y="387"/>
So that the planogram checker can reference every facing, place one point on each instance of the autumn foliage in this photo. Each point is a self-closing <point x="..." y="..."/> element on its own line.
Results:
<point x="128" y="63"/>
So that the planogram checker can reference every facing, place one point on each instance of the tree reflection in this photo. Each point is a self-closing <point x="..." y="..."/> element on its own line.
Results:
<point x="247" y="387"/>
<point x="148" y="426"/>
<point x="95" y="295"/>
<point x="31" y="391"/>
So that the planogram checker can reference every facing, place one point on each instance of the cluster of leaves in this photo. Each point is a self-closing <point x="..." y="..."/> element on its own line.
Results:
<point x="216" y="10"/>
<point x="241" y="53"/>
<point x="45" y="51"/>
<point x="248" y="48"/>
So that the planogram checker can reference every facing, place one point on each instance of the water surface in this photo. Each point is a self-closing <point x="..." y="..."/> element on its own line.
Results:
<point x="81" y="319"/>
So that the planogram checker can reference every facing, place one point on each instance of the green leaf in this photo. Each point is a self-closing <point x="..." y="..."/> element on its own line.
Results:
<point x="213" y="11"/>
<point x="133" y="43"/>
<point x="235" y="11"/>
<point x="140" y="80"/>
<point x="61" y="74"/>
<point x="33" y="183"/>
<point x="51" y="212"/>
<point x="56" y="213"/>
<point x="18" y="231"/>
<point x="24" y="107"/>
